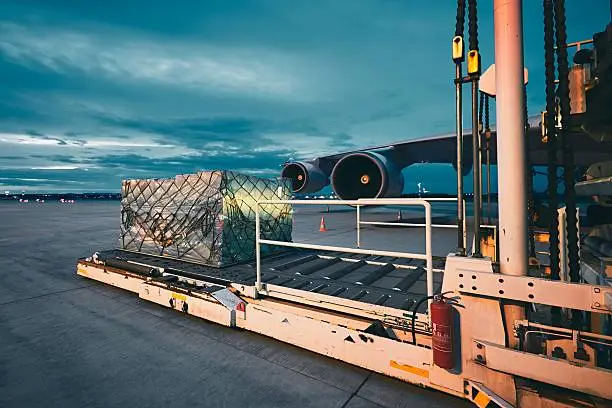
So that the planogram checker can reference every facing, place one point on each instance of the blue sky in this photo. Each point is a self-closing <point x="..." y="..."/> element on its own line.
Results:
<point x="95" y="92"/>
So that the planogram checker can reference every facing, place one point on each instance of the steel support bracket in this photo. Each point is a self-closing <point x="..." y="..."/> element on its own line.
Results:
<point x="589" y="298"/>
<point x="562" y="373"/>
<point x="262" y="290"/>
<point x="602" y="299"/>
<point x="479" y="353"/>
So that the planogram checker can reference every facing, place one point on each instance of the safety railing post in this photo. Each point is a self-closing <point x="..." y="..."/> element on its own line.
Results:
<point x="258" y="285"/>
<point x="358" y="227"/>
<point x="464" y="227"/>
<point x="428" y="254"/>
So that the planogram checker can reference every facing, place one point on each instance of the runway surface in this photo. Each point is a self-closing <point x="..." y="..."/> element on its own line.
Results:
<point x="66" y="341"/>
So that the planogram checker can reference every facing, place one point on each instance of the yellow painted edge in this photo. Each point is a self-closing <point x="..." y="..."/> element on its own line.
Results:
<point x="481" y="400"/>
<point x="82" y="271"/>
<point x="410" y="369"/>
<point x="179" y="296"/>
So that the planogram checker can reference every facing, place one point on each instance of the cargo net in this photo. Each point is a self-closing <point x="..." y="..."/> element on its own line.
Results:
<point x="208" y="217"/>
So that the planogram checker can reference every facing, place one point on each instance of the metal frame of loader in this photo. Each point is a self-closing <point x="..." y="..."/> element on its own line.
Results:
<point x="486" y="369"/>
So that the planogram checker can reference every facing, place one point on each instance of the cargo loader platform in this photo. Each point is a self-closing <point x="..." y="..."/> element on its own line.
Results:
<point x="358" y="306"/>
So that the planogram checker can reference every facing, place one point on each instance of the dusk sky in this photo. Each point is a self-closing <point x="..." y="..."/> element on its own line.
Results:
<point x="97" y="91"/>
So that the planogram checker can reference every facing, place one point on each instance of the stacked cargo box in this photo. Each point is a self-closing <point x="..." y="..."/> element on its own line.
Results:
<point x="207" y="217"/>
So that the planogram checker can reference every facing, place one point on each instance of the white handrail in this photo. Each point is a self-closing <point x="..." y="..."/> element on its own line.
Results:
<point x="406" y="224"/>
<point x="428" y="257"/>
<point x="396" y="201"/>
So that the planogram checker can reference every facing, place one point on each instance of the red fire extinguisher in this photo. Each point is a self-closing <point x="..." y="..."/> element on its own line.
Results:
<point x="442" y="332"/>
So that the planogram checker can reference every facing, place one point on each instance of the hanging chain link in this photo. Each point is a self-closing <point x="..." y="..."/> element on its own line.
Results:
<point x="566" y="145"/>
<point x="549" y="64"/>
<point x="473" y="24"/>
<point x="460" y="23"/>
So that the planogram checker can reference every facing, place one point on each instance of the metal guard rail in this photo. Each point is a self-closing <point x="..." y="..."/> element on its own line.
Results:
<point x="428" y="257"/>
<point x="412" y="224"/>
<point x="408" y="224"/>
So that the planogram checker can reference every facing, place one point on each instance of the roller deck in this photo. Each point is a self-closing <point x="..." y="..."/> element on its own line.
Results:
<point x="382" y="281"/>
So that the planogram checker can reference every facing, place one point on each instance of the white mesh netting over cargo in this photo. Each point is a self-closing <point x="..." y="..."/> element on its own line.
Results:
<point x="208" y="217"/>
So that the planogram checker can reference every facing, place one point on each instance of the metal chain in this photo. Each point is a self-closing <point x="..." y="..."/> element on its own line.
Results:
<point x="568" y="155"/>
<point x="549" y="58"/>
<point x="487" y="133"/>
<point x="459" y="29"/>
<point x="473" y="24"/>
<point x="460" y="24"/>
<point x="476" y="153"/>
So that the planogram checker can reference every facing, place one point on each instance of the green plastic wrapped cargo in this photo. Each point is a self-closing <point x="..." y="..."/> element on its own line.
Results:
<point x="207" y="217"/>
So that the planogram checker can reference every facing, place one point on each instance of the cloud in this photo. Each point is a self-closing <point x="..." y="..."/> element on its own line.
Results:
<point x="47" y="146"/>
<point x="34" y="181"/>
<point x="56" y="168"/>
<point x="240" y="133"/>
<point x="207" y="68"/>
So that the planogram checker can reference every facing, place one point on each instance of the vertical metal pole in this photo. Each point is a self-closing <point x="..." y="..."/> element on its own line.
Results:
<point x="464" y="226"/>
<point x="563" y="264"/>
<point x="489" y="183"/>
<point x="428" y="254"/>
<point x="460" y="204"/>
<point x="258" y="286"/>
<point x="496" y="232"/>
<point x="512" y="199"/>
<point x="358" y="227"/>
<point x="480" y="171"/>
<point x="476" y="169"/>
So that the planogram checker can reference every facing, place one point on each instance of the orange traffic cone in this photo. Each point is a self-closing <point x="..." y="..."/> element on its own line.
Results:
<point x="322" y="228"/>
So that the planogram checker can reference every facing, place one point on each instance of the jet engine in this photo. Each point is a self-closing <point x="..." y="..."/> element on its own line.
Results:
<point x="305" y="177"/>
<point x="366" y="174"/>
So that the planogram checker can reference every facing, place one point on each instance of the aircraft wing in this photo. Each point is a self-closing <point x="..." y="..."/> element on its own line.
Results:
<point x="376" y="171"/>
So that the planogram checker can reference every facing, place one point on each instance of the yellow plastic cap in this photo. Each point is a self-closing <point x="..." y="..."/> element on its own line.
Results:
<point x="473" y="62"/>
<point x="458" y="49"/>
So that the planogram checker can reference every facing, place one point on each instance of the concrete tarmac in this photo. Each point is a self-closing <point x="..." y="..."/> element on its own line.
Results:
<point x="66" y="341"/>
